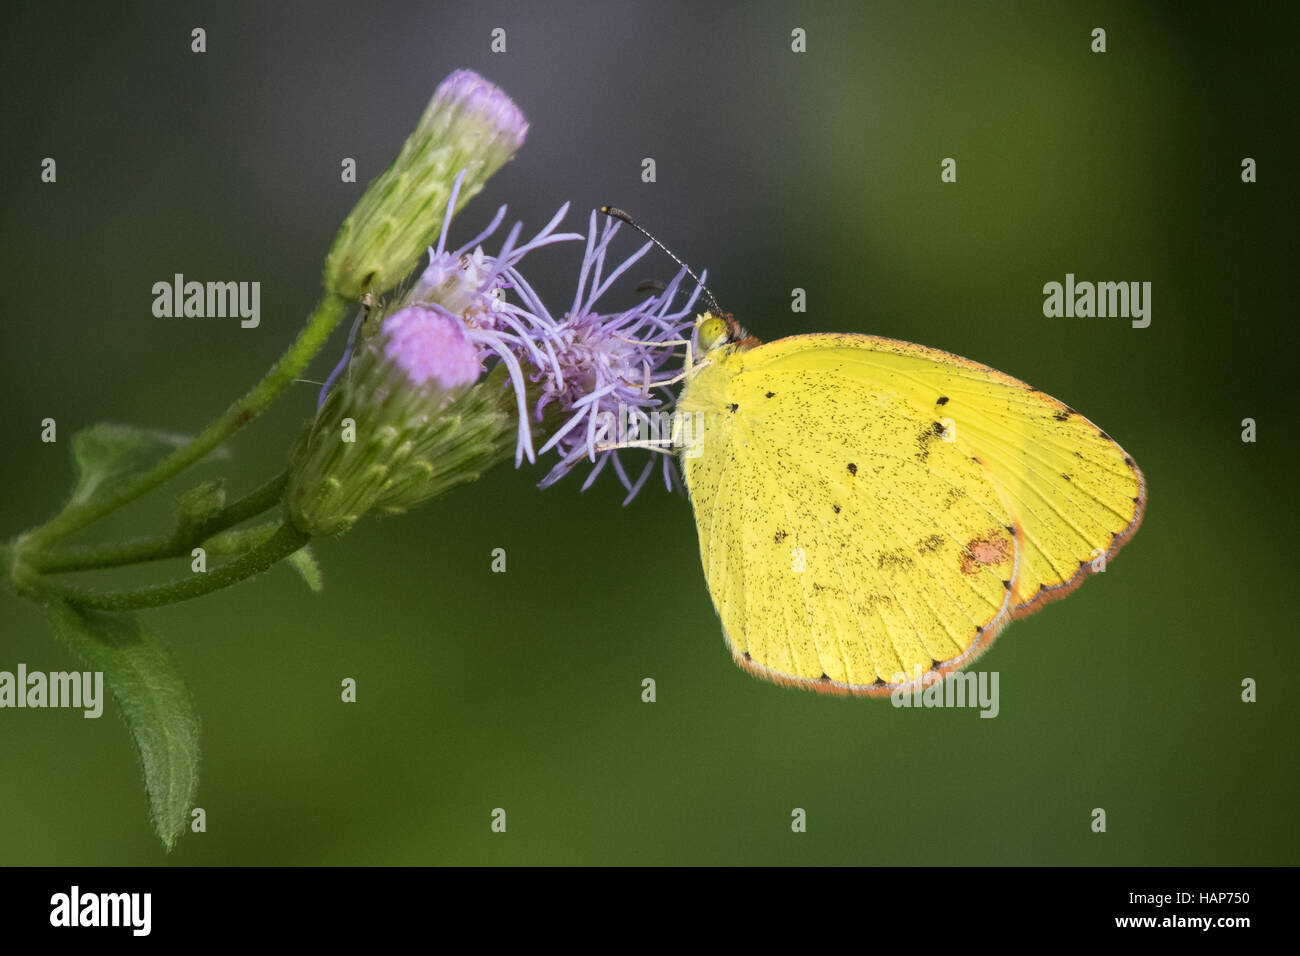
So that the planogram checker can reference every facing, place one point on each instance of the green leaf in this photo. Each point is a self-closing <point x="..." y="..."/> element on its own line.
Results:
<point x="304" y="562"/>
<point x="107" y="455"/>
<point x="154" y="700"/>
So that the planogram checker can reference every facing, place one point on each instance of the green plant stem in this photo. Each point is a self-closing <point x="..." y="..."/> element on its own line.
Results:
<point x="239" y="540"/>
<point x="178" y="543"/>
<point x="322" y="322"/>
<point x="286" y="540"/>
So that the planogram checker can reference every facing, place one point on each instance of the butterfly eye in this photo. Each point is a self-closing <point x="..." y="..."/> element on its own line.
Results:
<point x="713" y="331"/>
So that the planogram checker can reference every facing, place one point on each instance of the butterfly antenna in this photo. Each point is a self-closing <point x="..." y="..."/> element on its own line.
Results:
<point x="615" y="213"/>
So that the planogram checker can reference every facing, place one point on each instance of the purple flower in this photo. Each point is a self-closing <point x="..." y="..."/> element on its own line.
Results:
<point x="430" y="346"/>
<point x="606" y="370"/>
<point x="471" y="287"/>
<point x="474" y="286"/>
<point x="465" y="104"/>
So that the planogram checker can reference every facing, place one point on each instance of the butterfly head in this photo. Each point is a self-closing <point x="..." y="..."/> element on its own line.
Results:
<point x="716" y="329"/>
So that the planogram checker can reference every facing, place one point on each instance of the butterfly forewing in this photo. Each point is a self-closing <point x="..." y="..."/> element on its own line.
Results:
<point x="872" y="512"/>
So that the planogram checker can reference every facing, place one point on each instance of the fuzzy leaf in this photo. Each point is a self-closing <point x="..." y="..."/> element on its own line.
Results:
<point x="304" y="562"/>
<point x="107" y="455"/>
<point x="157" y="706"/>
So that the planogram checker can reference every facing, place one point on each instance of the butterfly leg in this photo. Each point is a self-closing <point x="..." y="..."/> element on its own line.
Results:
<point x="653" y="444"/>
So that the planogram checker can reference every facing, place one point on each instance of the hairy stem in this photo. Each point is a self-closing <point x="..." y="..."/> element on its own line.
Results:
<point x="284" y="542"/>
<point x="310" y="340"/>
<point x="89" y="557"/>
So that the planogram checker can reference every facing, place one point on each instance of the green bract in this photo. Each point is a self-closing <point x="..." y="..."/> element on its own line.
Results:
<point x="383" y="444"/>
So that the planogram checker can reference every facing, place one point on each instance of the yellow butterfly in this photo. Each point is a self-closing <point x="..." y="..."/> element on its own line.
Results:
<point x="871" y="513"/>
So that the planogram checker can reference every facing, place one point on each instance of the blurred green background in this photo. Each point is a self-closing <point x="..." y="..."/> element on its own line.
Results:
<point x="776" y="170"/>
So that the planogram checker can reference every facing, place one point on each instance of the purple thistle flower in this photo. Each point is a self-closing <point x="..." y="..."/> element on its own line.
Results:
<point x="606" y="370"/>
<point x="430" y="347"/>
<point x="471" y="287"/>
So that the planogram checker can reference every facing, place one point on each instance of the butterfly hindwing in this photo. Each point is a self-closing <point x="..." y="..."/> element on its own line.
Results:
<point x="1077" y="496"/>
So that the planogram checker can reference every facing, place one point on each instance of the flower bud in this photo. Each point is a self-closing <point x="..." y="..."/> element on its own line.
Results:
<point x="199" y="505"/>
<point x="407" y="419"/>
<point x="470" y="126"/>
